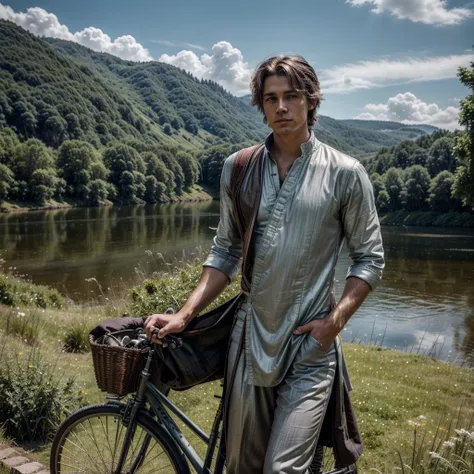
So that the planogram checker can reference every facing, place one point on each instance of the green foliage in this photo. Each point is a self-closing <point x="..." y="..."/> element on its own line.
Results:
<point x="80" y="165"/>
<point x="15" y="292"/>
<point x="34" y="398"/>
<point x="126" y="173"/>
<point x="171" y="289"/>
<point x="394" y="186"/>
<point x="464" y="144"/>
<point x="25" y="325"/>
<point x="76" y="338"/>
<point x="441" y="156"/>
<point x="428" y="218"/>
<point x="440" y="198"/>
<point x="415" y="192"/>
<point x="7" y="181"/>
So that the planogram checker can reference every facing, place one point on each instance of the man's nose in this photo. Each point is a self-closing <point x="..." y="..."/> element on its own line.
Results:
<point x="282" y="106"/>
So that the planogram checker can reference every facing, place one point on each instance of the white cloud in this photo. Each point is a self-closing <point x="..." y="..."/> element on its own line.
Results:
<point x="431" y="12"/>
<point x="407" y="108"/>
<point x="224" y="65"/>
<point x="178" y="45"/>
<point x="381" y="73"/>
<point x="41" y="23"/>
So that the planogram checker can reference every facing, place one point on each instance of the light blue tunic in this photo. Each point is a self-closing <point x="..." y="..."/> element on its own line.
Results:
<point x="325" y="201"/>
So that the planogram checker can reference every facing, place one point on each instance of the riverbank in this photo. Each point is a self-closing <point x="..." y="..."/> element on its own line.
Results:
<point x="394" y="392"/>
<point x="196" y="194"/>
<point x="428" y="219"/>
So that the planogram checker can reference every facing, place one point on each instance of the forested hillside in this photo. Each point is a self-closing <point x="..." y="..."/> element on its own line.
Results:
<point x="86" y="127"/>
<point x="416" y="175"/>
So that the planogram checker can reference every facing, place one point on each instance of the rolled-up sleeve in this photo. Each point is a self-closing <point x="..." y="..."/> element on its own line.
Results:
<point x="226" y="251"/>
<point x="362" y="228"/>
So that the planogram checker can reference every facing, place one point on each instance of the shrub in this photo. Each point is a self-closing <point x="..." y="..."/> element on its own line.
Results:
<point x="33" y="397"/>
<point x="163" y="290"/>
<point x="25" y="325"/>
<point x="76" y="338"/>
<point x="16" y="292"/>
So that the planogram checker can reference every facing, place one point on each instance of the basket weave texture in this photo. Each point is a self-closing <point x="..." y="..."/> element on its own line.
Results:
<point x="117" y="369"/>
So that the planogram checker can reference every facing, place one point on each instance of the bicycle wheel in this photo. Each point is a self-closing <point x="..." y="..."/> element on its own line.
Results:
<point x="90" y="441"/>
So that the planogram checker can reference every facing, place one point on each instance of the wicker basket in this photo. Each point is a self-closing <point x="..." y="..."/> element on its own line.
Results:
<point x="117" y="369"/>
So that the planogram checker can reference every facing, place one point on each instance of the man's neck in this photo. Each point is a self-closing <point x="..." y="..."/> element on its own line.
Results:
<point x="286" y="148"/>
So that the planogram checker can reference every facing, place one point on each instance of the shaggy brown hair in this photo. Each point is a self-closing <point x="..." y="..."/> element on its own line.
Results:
<point x="302" y="76"/>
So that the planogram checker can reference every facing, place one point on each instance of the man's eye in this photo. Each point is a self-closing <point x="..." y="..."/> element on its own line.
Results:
<point x="293" y="96"/>
<point x="269" y="99"/>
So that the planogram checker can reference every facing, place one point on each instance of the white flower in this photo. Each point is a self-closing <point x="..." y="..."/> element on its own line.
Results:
<point x="448" y="444"/>
<point x="434" y="455"/>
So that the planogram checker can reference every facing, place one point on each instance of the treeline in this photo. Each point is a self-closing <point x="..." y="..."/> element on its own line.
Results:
<point x="33" y="172"/>
<point x="416" y="175"/>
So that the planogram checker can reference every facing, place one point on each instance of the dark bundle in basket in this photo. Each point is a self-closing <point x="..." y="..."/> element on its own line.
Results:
<point x="117" y="367"/>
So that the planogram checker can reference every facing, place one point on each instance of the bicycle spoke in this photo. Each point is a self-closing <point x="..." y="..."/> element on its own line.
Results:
<point x="93" y="444"/>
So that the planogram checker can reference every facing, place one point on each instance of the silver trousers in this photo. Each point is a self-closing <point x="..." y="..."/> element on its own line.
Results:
<point x="274" y="430"/>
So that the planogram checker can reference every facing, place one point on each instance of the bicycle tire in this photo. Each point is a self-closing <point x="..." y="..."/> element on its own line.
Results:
<point x="90" y="441"/>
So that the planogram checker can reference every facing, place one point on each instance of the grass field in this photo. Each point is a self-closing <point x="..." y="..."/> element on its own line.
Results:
<point x="407" y="405"/>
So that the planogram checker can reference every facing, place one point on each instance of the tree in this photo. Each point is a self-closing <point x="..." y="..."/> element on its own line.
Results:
<point x="79" y="163"/>
<point x="441" y="156"/>
<point x="8" y="144"/>
<point x="190" y="169"/>
<point x="42" y="185"/>
<point x="383" y="201"/>
<point x="394" y="186"/>
<point x="415" y="192"/>
<point x="418" y="157"/>
<point x="7" y="181"/>
<point x="440" y="192"/>
<point x="98" y="191"/>
<point x="464" y="144"/>
<point x="126" y="172"/>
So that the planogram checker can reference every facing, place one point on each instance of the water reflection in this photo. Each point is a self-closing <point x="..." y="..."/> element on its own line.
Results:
<point x="424" y="304"/>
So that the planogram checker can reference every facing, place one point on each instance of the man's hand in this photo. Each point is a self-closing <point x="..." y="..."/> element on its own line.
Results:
<point x="321" y="330"/>
<point x="166" y="323"/>
<point x="326" y="330"/>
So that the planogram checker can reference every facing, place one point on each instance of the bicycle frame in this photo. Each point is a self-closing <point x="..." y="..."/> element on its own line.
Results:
<point x="147" y="392"/>
<point x="159" y="404"/>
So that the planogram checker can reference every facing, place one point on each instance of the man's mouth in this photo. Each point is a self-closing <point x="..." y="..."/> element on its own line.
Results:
<point x="283" y="120"/>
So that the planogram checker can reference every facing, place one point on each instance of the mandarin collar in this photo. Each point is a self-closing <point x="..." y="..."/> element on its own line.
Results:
<point x="306" y="148"/>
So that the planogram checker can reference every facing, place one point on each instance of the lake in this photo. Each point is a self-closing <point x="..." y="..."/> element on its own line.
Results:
<point x="424" y="304"/>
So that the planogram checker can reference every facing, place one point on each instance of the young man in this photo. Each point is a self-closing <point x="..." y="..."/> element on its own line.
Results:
<point x="313" y="200"/>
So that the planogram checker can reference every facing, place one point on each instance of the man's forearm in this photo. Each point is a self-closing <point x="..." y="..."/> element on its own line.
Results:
<point x="354" y="294"/>
<point x="213" y="282"/>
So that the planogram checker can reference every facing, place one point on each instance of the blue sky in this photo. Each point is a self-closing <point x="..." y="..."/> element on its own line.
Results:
<point x="377" y="59"/>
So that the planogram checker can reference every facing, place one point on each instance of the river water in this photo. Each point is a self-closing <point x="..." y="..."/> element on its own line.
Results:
<point x="424" y="304"/>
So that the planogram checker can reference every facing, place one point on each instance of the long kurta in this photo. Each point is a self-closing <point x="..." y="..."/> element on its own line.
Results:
<point x="325" y="201"/>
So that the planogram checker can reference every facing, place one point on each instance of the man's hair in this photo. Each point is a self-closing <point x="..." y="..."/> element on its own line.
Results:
<point x="302" y="77"/>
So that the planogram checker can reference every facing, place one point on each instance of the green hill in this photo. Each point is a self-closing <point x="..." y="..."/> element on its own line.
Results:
<point x="88" y="127"/>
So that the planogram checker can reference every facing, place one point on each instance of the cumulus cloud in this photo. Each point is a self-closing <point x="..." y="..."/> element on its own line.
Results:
<point x="41" y="23"/>
<point x="409" y="109"/>
<point x="381" y="73"/>
<point x="224" y="65"/>
<point x="431" y="12"/>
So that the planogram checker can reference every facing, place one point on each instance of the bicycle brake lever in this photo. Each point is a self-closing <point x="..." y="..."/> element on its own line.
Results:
<point x="173" y="342"/>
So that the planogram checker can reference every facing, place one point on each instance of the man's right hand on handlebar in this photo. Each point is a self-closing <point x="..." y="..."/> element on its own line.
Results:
<point x="166" y="323"/>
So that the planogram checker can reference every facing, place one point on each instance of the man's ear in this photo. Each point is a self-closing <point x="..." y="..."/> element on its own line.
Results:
<point x="312" y="104"/>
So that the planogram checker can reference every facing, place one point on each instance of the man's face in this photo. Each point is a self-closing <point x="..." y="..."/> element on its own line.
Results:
<point x="286" y="110"/>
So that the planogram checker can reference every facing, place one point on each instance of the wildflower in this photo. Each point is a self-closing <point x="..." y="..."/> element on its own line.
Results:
<point x="434" y="455"/>
<point x="414" y="423"/>
<point x="448" y="444"/>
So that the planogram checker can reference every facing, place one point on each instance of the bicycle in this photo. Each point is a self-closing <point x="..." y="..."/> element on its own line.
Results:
<point x="139" y="436"/>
